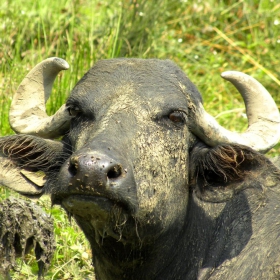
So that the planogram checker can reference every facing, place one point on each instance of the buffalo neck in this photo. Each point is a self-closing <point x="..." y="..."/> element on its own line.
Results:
<point x="182" y="245"/>
<point x="209" y="234"/>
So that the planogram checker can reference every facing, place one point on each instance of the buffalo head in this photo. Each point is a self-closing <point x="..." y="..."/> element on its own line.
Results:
<point x="136" y="144"/>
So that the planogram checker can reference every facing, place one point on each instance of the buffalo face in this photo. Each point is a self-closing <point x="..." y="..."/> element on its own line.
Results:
<point x="130" y="140"/>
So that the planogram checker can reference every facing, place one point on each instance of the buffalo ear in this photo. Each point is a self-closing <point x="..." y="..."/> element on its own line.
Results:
<point x="217" y="173"/>
<point x="27" y="161"/>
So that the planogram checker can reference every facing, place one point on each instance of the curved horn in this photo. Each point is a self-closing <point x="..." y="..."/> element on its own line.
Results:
<point x="263" y="117"/>
<point x="28" y="111"/>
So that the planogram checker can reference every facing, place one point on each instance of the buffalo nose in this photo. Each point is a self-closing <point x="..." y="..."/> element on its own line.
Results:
<point x="95" y="170"/>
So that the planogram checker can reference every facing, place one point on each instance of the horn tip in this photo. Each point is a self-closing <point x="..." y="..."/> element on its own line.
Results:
<point x="59" y="62"/>
<point x="228" y="75"/>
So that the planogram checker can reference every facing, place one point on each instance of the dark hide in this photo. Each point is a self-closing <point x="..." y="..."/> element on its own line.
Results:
<point x="152" y="199"/>
<point x="224" y="234"/>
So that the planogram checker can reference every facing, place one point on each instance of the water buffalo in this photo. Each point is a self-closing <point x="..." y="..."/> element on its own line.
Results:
<point x="159" y="188"/>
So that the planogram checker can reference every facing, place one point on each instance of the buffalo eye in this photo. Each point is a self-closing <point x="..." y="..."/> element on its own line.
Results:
<point x="177" y="117"/>
<point x="74" y="111"/>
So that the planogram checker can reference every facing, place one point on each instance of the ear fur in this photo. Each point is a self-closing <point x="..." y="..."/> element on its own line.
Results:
<point x="23" y="158"/>
<point x="217" y="173"/>
<point x="33" y="153"/>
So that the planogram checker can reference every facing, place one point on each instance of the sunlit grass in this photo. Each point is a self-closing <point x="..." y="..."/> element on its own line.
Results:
<point x="204" y="38"/>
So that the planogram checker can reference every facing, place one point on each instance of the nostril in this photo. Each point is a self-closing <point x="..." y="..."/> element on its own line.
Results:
<point x="73" y="166"/>
<point x="94" y="166"/>
<point x="114" y="172"/>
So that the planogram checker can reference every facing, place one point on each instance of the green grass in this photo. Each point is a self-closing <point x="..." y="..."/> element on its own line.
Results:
<point x="204" y="38"/>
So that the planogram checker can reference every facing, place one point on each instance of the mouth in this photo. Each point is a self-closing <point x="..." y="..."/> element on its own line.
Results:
<point x="89" y="207"/>
<point x="87" y="204"/>
<point x="100" y="213"/>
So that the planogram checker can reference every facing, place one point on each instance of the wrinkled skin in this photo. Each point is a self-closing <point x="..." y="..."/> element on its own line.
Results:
<point x="152" y="199"/>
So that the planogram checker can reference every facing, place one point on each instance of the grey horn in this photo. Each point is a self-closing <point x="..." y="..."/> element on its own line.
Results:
<point x="28" y="111"/>
<point x="263" y="117"/>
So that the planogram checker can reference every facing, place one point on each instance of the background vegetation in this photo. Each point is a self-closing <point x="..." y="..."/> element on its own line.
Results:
<point x="204" y="38"/>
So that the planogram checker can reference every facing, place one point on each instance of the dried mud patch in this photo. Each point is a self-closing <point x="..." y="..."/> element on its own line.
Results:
<point x="23" y="226"/>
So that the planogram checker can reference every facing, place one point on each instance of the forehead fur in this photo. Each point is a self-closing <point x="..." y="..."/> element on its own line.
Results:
<point x="147" y="77"/>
